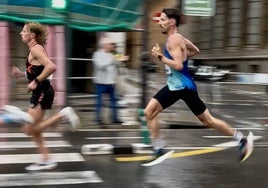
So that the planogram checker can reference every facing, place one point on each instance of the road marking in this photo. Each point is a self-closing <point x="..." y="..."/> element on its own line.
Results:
<point x="233" y="104"/>
<point x="95" y="149"/>
<point x="49" y="178"/>
<point x="108" y="130"/>
<point x="30" y="144"/>
<point x="188" y="148"/>
<point x="250" y="128"/>
<point x="113" y="138"/>
<point x="217" y="136"/>
<point x="34" y="158"/>
<point x="215" y="148"/>
<point x="255" y="137"/>
<point x="258" y="118"/>
<point x="174" y="155"/>
<point x="22" y="135"/>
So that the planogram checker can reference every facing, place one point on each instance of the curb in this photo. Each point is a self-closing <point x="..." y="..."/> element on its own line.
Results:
<point x="105" y="149"/>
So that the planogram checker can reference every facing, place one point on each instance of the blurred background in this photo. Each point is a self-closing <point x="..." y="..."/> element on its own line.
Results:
<point x="232" y="37"/>
<point x="230" y="72"/>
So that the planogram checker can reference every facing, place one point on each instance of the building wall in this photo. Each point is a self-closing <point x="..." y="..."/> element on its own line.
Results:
<point x="135" y="39"/>
<point x="236" y="35"/>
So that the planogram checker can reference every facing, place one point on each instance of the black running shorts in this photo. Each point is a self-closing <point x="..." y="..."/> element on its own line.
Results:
<point x="43" y="95"/>
<point x="167" y="98"/>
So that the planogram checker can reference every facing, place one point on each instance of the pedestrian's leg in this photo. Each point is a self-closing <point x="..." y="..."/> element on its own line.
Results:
<point x="112" y="94"/>
<point x="98" y="102"/>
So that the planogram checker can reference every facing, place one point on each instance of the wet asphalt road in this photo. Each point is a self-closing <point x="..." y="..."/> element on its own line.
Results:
<point x="198" y="160"/>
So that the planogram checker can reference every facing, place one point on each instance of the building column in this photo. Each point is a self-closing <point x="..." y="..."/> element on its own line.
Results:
<point x="235" y="21"/>
<point x="4" y="65"/>
<point x="254" y="23"/>
<point x="218" y="27"/>
<point x="264" y="25"/>
<point x="56" y="50"/>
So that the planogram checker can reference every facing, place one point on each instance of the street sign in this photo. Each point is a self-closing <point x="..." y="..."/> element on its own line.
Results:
<point x="198" y="7"/>
<point x="59" y="4"/>
<point x="155" y="17"/>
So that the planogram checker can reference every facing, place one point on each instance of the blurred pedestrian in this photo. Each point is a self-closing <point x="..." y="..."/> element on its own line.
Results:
<point x="105" y="73"/>
<point x="39" y="68"/>
<point x="180" y="85"/>
<point x="121" y="84"/>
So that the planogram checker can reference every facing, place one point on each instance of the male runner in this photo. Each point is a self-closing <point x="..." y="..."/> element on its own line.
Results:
<point x="180" y="85"/>
<point x="38" y="70"/>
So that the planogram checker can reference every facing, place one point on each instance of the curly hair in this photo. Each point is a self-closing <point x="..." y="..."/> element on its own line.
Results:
<point x="39" y="30"/>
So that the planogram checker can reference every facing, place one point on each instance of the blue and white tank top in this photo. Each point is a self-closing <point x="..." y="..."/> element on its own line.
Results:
<point x="177" y="80"/>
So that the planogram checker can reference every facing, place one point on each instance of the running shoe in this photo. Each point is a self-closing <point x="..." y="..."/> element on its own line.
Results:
<point x="48" y="165"/>
<point x="158" y="157"/>
<point x="17" y="114"/>
<point x="245" y="147"/>
<point x="71" y="116"/>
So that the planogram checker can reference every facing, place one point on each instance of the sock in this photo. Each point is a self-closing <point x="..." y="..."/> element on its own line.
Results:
<point x="158" y="143"/>
<point x="238" y="135"/>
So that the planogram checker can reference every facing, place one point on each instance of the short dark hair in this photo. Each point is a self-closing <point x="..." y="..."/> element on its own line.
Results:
<point x="172" y="14"/>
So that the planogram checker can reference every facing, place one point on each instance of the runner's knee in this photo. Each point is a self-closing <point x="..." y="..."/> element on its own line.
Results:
<point x="151" y="113"/>
<point x="26" y="129"/>
<point x="148" y="113"/>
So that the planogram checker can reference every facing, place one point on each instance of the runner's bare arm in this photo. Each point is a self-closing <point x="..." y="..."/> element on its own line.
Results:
<point x="191" y="48"/>
<point x="177" y="49"/>
<point x="39" y="55"/>
<point x="16" y="72"/>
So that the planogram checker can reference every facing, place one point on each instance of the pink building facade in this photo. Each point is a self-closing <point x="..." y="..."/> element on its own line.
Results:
<point x="56" y="50"/>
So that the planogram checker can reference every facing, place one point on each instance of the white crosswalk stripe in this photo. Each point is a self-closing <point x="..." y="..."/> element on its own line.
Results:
<point x="49" y="178"/>
<point x="17" y="148"/>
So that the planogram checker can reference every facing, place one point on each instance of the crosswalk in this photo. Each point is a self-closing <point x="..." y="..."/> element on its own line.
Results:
<point x="17" y="151"/>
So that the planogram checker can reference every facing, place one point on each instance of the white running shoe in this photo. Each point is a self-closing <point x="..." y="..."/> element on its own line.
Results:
<point x="49" y="165"/>
<point x="18" y="115"/>
<point x="71" y="116"/>
<point x="246" y="147"/>
<point x="158" y="157"/>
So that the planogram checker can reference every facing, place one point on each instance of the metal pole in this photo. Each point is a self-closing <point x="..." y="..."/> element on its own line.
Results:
<point x="144" y="55"/>
<point x="144" y="65"/>
<point x="68" y="42"/>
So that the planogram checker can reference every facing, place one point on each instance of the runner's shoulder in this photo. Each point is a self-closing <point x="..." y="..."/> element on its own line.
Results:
<point x="176" y="39"/>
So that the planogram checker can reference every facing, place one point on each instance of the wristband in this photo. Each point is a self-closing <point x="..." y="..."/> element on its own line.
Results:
<point x="160" y="57"/>
<point x="37" y="81"/>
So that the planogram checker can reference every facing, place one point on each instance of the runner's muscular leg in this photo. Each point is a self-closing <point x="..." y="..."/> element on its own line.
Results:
<point x="33" y="129"/>
<point x="151" y="111"/>
<point x="37" y="114"/>
<point x="208" y="120"/>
